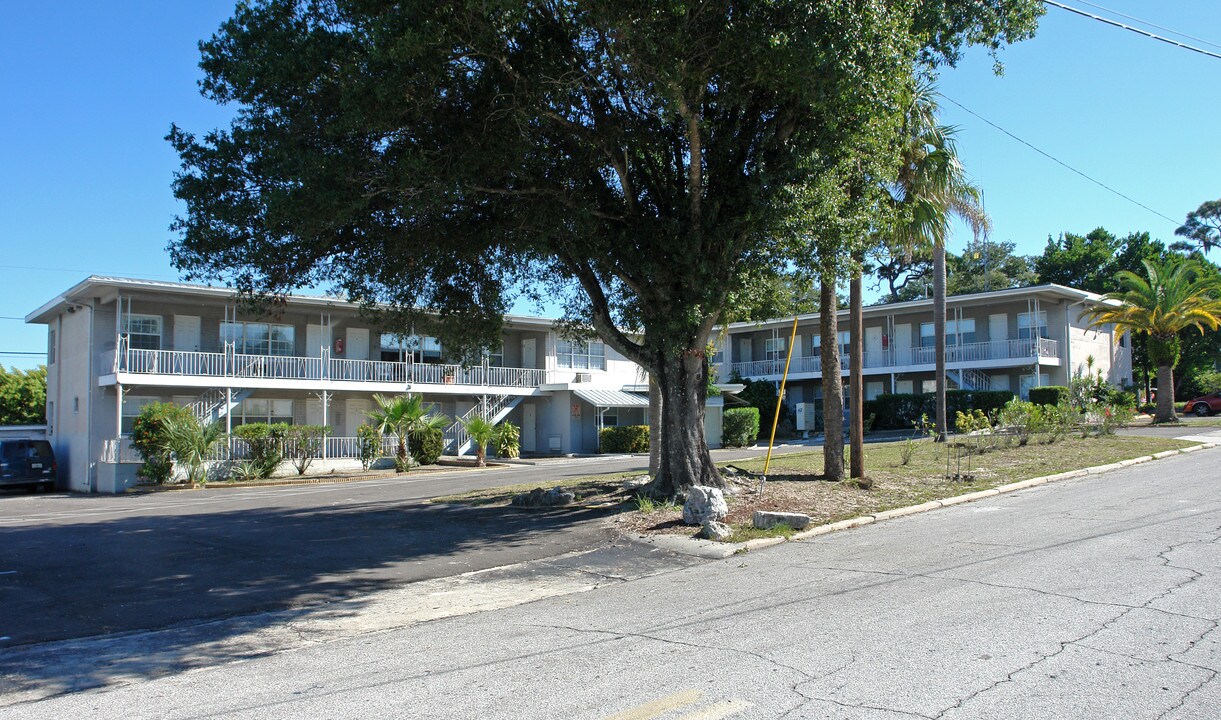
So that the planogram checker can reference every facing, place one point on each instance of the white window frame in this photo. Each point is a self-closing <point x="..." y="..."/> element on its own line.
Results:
<point x="239" y="333"/>
<point x="1024" y="327"/>
<point x="845" y="339"/>
<point x="247" y="411"/>
<point x="774" y="348"/>
<point x="140" y="336"/>
<point x="580" y="355"/>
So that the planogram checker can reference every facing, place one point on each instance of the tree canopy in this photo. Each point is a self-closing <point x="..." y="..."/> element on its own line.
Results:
<point x="1203" y="226"/>
<point x="23" y="396"/>
<point x="649" y="162"/>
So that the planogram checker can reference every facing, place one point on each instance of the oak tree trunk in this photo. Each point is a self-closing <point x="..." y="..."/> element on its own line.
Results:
<point x="832" y="384"/>
<point x="856" y="375"/>
<point x="683" y="460"/>
<point x="654" y="425"/>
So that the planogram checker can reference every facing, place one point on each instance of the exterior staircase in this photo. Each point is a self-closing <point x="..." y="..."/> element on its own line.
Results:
<point x="493" y="409"/>
<point x="213" y="404"/>
<point x="969" y="379"/>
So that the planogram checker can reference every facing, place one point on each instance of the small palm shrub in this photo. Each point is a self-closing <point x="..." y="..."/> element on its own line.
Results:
<point x="148" y="438"/>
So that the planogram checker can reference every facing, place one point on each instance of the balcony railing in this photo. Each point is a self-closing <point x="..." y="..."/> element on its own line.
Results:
<point x="893" y="358"/>
<point x="275" y="367"/>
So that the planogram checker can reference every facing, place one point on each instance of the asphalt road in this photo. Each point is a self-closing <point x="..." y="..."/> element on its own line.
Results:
<point x="1097" y="597"/>
<point x="75" y="566"/>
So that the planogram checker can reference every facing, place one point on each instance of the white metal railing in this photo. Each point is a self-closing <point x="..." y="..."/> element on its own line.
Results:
<point x="965" y="353"/>
<point x="285" y="367"/>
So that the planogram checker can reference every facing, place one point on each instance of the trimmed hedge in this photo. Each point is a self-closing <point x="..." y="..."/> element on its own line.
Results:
<point x="426" y="446"/>
<point x="740" y="427"/>
<point x="625" y="439"/>
<point x="900" y="411"/>
<point x="1049" y="395"/>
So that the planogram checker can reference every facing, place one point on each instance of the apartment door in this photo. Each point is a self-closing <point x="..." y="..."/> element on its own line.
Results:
<point x="998" y="335"/>
<point x="358" y="344"/>
<point x="744" y="351"/>
<point x="186" y="333"/>
<point x="358" y="414"/>
<point x="873" y="347"/>
<point x="529" y="353"/>
<point x="314" y="340"/>
<point x="903" y="344"/>
<point x="529" y="424"/>
<point x="313" y="412"/>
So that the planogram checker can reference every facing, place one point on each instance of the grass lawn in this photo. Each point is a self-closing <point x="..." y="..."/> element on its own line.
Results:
<point x="794" y="481"/>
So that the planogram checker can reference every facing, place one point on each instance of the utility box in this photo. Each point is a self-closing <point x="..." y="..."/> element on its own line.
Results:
<point x="807" y="416"/>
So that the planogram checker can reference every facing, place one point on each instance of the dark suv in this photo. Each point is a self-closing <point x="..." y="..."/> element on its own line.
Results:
<point x="27" y="463"/>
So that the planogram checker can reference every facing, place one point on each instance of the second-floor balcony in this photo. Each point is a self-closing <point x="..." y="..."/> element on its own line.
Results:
<point x="240" y="366"/>
<point x="908" y="359"/>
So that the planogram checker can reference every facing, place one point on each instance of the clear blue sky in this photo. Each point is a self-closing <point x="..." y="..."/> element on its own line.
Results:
<point x="88" y="91"/>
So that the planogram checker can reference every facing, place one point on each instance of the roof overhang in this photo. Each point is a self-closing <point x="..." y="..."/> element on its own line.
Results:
<point x="610" y="398"/>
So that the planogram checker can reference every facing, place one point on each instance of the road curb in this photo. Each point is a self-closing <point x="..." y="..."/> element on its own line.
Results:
<point x="720" y="551"/>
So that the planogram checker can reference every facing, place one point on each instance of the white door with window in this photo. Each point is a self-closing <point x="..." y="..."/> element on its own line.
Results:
<point x="313" y="412"/>
<point x="998" y="335"/>
<point x="186" y="333"/>
<point x="357" y="414"/>
<point x="873" y="347"/>
<point x="529" y="353"/>
<point x="357" y="344"/>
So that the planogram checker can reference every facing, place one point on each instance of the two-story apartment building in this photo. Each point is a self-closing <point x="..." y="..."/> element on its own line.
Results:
<point x="117" y="344"/>
<point x="1011" y="339"/>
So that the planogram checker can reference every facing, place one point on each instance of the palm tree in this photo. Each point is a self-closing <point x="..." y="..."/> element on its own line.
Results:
<point x="932" y="187"/>
<point x="191" y="444"/>
<point x="400" y="416"/>
<point x="1174" y="297"/>
<point x="481" y="432"/>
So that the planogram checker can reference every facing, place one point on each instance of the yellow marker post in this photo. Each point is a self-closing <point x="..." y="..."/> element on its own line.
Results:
<point x="780" y="398"/>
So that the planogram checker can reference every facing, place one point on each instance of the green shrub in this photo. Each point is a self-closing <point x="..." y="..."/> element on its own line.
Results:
<point x="304" y="443"/>
<point x="899" y="411"/>
<point x="368" y="445"/>
<point x="740" y="427"/>
<point x="1199" y="382"/>
<point x="762" y="395"/>
<point x="264" y="445"/>
<point x="426" y="446"/>
<point x="507" y="440"/>
<point x="148" y="438"/>
<point x="1049" y="395"/>
<point x="624" y="439"/>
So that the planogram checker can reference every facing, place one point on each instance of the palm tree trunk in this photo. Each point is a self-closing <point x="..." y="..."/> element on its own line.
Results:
<point x="1165" y="395"/>
<point x="832" y="385"/>
<point x="856" y="374"/>
<point x="939" y="332"/>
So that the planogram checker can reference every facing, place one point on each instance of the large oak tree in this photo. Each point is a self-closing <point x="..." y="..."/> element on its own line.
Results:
<point x="652" y="160"/>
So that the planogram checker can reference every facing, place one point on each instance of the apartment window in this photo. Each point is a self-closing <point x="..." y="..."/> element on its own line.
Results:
<point x="263" y="410"/>
<point x="50" y="347"/>
<point x="393" y="348"/>
<point x="580" y="355"/>
<point x="132" y="407"/>
<point x="259" y="338"/>
<point x="845" y="338"/>
<point x="954" y="331"/>
<point x="1028" y="381"/>
<point x="610" y="418"/>
<point x="143" y="331"/>
<point x="1031" y="325"/>
<point x="496" y="356"/>
<point x="773" y="348"/>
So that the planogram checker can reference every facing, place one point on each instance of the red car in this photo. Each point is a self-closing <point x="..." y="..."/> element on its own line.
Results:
<point x="1204" y="406"/>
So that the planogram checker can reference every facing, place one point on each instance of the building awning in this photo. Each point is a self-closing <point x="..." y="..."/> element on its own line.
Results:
<point x="611" y="398"/>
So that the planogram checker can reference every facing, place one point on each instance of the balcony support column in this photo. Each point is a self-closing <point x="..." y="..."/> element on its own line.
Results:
<point x="118" y="413"/>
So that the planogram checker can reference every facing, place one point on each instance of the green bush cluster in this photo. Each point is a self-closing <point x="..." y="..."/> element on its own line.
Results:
<point x="740" y="427"/>
<point x="368" y="445"/>
<point x="1049" y="395"/>
<point x="901" y="410"/>
<point x="625" y="439"/>
<point x="264" y="446"/>
<point x="507" y="440"/>
<point x="303" y="443"/>
<point x="148" y="438"/>
<point x="426" y="445"/>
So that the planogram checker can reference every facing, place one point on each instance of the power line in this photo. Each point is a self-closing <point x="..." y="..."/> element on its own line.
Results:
<point x="85" y="272"/>
<point x="1138" y="31"/>
<point x="1150" y="24"/>
<point x="11" y="317"/>
<point x="1065" y="165"/>
<point x="22" y="352"/>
